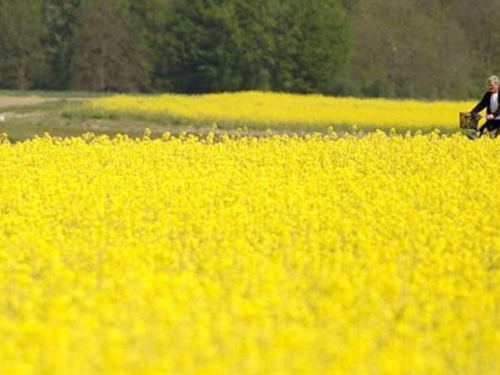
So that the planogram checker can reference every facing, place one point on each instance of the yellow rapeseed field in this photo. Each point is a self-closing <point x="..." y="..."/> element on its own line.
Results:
<point x="269" y="110"/>
<point x="242" y="255"/>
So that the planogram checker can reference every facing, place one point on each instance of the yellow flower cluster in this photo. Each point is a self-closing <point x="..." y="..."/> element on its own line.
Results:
<point x="268" y="110"/>
<point x="242" y="255"/>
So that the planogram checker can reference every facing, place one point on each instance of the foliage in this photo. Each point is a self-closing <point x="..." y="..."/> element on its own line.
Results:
<point x="21" y="54"/>
<point x="106" y="56"/>
<point x="232" y="45"/>
<point x="378" y="48"/>
<point x="311" y="44"/>
<point x="59" y="17"/>
<point x="204" y="42"/>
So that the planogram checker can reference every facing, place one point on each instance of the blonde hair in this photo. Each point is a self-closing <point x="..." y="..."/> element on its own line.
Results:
<point x="495" y="80"/>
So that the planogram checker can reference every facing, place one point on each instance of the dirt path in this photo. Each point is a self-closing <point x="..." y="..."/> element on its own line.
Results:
<point x="8" y="101"/>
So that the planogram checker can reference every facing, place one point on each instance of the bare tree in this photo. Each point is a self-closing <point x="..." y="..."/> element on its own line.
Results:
<point x="106" y="54"/>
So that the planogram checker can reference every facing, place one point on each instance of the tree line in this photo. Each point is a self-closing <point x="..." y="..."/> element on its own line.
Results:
<point x="406" y="48"/>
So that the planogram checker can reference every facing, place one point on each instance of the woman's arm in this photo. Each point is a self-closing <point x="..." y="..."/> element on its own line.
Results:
<point x="481" y="105"/>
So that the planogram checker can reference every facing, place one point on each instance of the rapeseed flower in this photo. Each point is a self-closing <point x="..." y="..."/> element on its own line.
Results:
<point x="221" y="254"/>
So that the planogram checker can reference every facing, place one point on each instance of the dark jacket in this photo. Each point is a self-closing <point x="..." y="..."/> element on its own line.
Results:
<point x="485" y="103"/>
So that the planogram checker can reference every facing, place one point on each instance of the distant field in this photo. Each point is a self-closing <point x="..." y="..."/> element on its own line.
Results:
<point x="28" y="114"/>
<point x="262" y="110"/>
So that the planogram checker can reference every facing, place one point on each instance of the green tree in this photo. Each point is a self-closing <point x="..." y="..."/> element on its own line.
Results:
<point x="222" y="45"/>
<point x="312" y="42"/>
<point x="22" y="63"/>
<point x="59" y="17"/>
<point x="256" y="54"/>
<point x="149" y="19"/>
<point x="202" y="51"/>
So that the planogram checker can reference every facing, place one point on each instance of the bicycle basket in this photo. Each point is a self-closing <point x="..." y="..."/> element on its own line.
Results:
<point x="469" y="120"/>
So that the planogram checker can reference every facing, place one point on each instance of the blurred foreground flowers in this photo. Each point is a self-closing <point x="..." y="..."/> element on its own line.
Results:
<point x="250" y="255"/>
